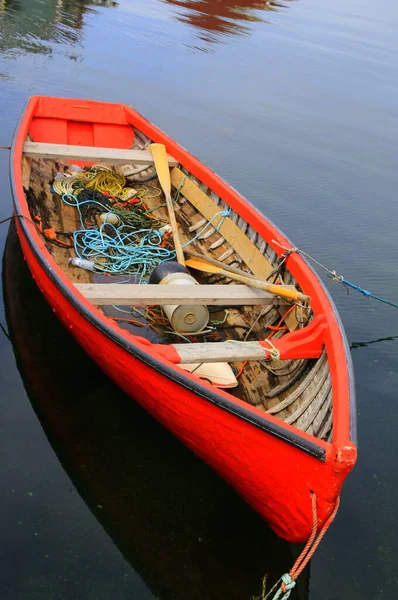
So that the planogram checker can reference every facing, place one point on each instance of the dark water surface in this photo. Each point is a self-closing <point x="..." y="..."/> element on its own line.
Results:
<point x="296" y="105"/>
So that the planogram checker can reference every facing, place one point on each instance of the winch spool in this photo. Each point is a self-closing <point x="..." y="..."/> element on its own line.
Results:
<point x="183" y="318"/>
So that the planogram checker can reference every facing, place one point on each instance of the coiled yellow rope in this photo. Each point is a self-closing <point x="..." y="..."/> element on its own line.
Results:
<point x="106" y="180"/>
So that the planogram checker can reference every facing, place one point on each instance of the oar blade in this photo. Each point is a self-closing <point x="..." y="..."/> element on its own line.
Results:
<point x="202" y="265"/>
<point x="162" y="166"/>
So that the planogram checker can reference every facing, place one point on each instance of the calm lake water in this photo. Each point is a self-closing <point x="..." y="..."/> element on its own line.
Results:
<point x="296" y="105"/>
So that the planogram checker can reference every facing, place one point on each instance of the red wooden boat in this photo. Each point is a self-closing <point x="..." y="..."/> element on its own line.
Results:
<point x="287" y="430"/>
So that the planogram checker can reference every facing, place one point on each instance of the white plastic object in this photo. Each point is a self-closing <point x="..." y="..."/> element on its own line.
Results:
<point x="165" y="229"/>
<point x="220" y="374"/>
<point x="109" y="217"/>
<point x="82" y="263"/>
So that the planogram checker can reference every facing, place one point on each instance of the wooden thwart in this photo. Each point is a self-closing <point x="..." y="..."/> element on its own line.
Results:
<point x="221" y="352"/>
<point x="91" y="154"/>
<point x="213" y="295"/>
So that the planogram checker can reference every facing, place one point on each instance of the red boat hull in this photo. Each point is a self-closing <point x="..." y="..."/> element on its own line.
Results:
<point x="275" y="471"/>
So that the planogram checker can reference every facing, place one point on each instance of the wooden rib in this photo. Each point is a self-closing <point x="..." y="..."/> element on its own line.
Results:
<point x="207" y="234"/>
<point x="141" y="141"/>
<point x="104" y="155"/>
<point x="252" y="235"/>
<point x="299" y="389"/>
<point x="198" y="225"/>
<point x="217" y="295"/>
<point x="243" y="225"/>
<point x="262" y="245"/>
<point x="226" y="254"/>
<point x="217" y="243"/>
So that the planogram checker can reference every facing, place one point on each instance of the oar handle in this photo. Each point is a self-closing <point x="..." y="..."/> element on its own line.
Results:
<point x="287" y="293"/>
<point x="279" y="290"/>
<point x="174" y="227"/>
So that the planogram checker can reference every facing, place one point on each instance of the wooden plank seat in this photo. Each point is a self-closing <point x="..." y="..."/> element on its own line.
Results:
<point x="307" y="342"/>
<point x="91" y="154"/>
<point x="130" y="293"/>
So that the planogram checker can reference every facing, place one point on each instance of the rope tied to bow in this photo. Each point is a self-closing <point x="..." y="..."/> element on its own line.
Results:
<point x="331" y="273"/>
<point x="288" y="581"/>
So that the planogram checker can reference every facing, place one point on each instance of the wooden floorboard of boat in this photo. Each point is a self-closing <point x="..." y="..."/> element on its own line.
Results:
<point x="55" y="213"/>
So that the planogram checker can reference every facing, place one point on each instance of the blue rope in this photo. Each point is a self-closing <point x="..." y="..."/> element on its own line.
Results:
<point x="128" y="251"/>
<point x="365" y="292"/>
<point x="121" y="249"/>
<point x="77" y="204"/>
<point x="289" y="585"/>
<point x="222" y="213"/>
<point x="332" y="274"/>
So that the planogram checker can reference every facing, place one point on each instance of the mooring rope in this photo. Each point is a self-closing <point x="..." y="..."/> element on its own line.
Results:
<point x="288" y="581"/>
<point x="332" y="274"/>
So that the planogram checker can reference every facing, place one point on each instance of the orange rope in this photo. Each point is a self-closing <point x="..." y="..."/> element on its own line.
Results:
<point x="281" y="320"/>
<point x="276" y="328"/>
<point x="52" y="235"/>
<point x="308" y="551"/>
<point x="289" y="579"/>
<point x="241" y="369"/>
<point x="133" y="321"/>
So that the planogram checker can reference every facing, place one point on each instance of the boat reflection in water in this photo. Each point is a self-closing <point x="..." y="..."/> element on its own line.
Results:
<point x="181" y="527"/>
<point x="214" y="20"/>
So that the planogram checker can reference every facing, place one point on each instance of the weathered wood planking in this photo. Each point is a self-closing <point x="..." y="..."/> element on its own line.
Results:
<point x="230" y="231"/>
<point x="220" y="352"/>
<point x="26" y="167"/>
<point x="88" y="153"/>
<point x="217" y="295"/>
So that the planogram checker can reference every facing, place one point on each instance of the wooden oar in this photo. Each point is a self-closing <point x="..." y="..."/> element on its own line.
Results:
<point x="217" y="263"/>
<point x="201" y="264"/>
<point x="162" y="168"/>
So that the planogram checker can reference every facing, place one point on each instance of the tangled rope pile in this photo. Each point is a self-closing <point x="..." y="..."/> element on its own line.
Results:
<point x="122" y="249"/>
<point x="119" y="234"/>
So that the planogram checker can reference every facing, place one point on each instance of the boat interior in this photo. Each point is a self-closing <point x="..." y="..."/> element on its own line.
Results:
<point x="298" y="392"/>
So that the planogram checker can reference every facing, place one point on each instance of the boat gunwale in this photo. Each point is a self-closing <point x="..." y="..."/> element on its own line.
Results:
<point x="306" y="442"/>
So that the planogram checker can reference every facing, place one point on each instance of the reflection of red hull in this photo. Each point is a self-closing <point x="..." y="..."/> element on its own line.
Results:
<point x="271" y="464"/>
<point x="162" y="507"/>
